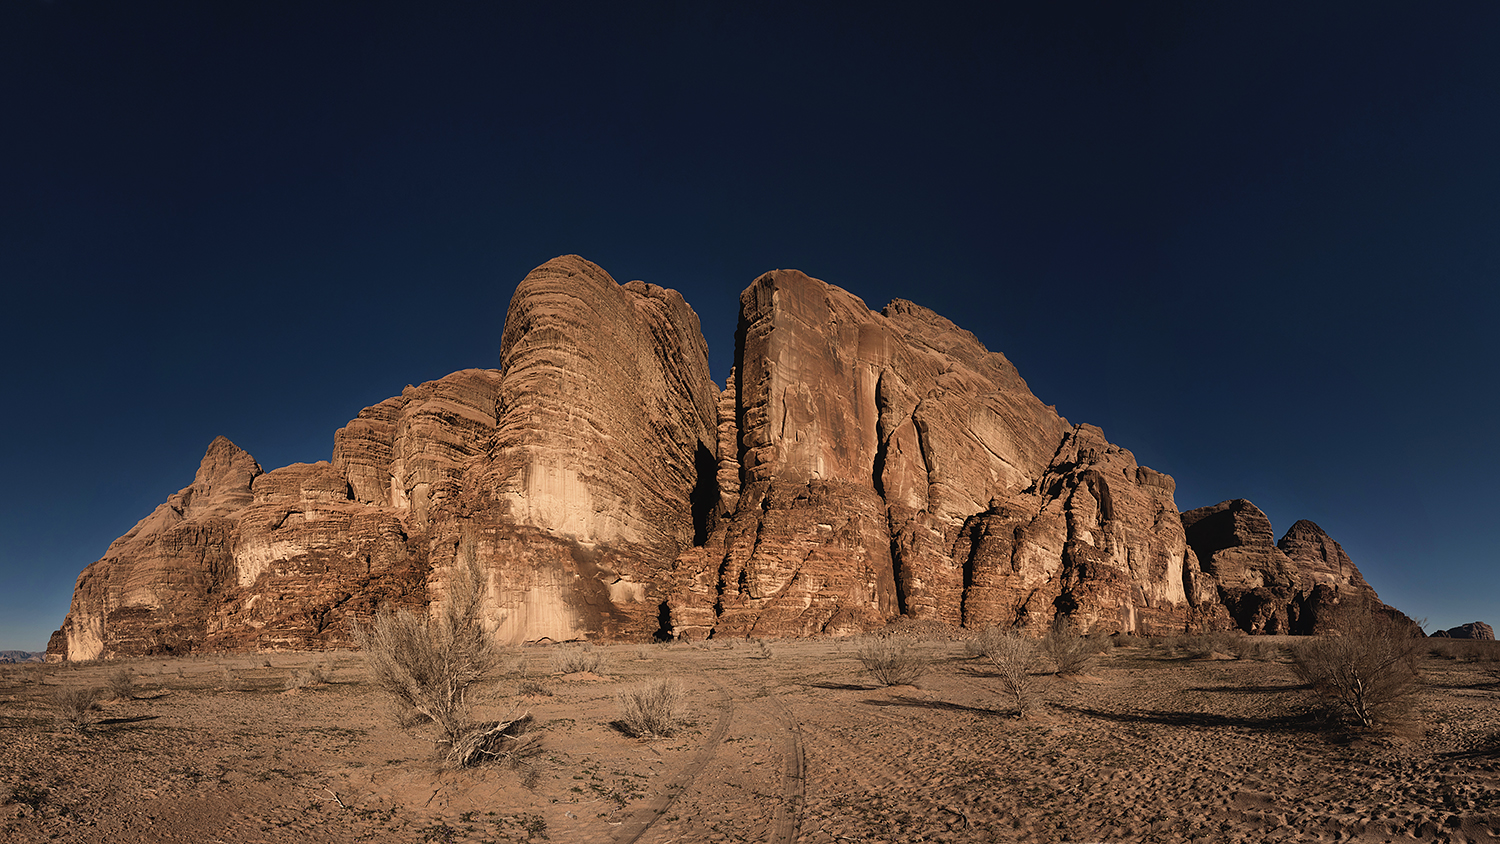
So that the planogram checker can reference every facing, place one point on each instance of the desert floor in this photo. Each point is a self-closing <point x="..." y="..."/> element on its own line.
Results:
<point x="785" y="741"/>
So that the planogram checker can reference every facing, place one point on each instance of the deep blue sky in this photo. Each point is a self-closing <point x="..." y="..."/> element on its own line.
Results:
<point x="1257" y="243"/>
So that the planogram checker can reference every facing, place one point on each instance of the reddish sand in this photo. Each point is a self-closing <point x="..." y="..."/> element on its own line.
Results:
<point x="790" y="742"/>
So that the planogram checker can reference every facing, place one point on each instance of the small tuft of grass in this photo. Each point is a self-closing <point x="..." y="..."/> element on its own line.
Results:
<point x="532" y="688"/>
<point x="303" y="678"/>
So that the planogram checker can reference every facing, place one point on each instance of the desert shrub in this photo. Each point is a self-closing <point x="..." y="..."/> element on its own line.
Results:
<point x="302" y="678"/>
<point x="532" y="688"/>
<point x="492" y="741"/>
<point x="1368" y="670"/>
<point x="73" y="707"/>
<point x="121" y="684"/>
<point x="892" y="660"/>
<point x="1070" y="652"/>
<point x="651" y="710"/>
<point x="1012" y="657"/>
<point x="1463" y="650"/>
<point x="234" y="682"/>
<point x="1255" y="648"/>
<point x="1205" y="645"/>
<point x="430" y="666"/>
<point x="574" y="660"/>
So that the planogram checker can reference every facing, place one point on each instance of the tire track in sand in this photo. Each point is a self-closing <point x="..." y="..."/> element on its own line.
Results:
<point x="754" y="752"/>
<point x="788" y="820"/>
<point x="641" y="821"/>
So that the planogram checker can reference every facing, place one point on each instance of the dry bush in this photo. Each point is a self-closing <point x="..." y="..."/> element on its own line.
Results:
<point x="1013" y="658"/>
<point x="121" y="684"/>
<point x="1070" y="652"/>
<point x="430" y="666"/>
<point x="1368" y="670"/>
<point x="891" y="660"/>
<point x="1205" y="645"/>
<point x="1463" y="650"/>
<point x="1254" y="648"/>
<point x="303" y="678"/>
<point x="532" y="688"/>
<point x="231" y="681"/>
<point x="651" y="710"/>
<point x="73" y="707"/>
<point x="575" y="660"/>
<point x="492" y="741"/>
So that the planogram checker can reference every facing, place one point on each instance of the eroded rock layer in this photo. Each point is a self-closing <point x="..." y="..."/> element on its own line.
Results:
<point x="857" y="466"/>
<point x="1285" y="586"/>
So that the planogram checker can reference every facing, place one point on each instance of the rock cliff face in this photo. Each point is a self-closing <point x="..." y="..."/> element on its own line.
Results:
<point x="857" y="466"/>
<point x="1287" y="586"/>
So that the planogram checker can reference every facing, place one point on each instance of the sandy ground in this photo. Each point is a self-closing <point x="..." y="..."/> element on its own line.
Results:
<point x="786" y="742"/>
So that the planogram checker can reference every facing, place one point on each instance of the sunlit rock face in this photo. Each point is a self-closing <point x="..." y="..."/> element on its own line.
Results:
<point x="575" y="473"/>
<point x="602" y="467"/>
<point x="1096" y="542"/>
<point x="856" y="467"/>
<point x="889" y="464"/>
<point x="156" y="586"/>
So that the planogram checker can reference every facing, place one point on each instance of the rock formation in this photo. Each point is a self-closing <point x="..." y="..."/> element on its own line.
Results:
<point x="856" y="467"/>
<point x="1477" y="630"/>
<point x="1287" y="586"/>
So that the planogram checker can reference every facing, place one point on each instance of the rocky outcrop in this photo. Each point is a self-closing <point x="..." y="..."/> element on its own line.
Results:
<point x="1097" y="542"/>
<point x="1477" y="630"/>
<point x="1286" y="586"/>
<point x="602" y="468"/>
<point x="155" y="586"/>
<point x="890" y="464"/>
<point x="15" y="657"/>
<point x="857" y="466"/>
<point x="570" y="473"/>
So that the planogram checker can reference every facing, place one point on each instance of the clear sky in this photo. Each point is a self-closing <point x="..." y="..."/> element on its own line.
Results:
<point x="1257" y="243"/>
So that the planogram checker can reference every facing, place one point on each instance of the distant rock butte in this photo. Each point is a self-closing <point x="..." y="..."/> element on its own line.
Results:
<point x="856" y="467"/>
<point x="1473" y="630"/>
<point x="1266" y="586"/>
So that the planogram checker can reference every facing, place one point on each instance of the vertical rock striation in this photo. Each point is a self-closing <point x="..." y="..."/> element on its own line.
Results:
<point x="890" y="464"/>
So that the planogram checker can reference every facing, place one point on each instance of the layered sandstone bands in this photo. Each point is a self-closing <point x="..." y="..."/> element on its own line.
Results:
<point x="857" y="466"/>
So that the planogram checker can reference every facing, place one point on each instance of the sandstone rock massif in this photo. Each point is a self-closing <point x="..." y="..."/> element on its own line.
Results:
<point x="856" y="467"/>
<point x="1477" y="630"/>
